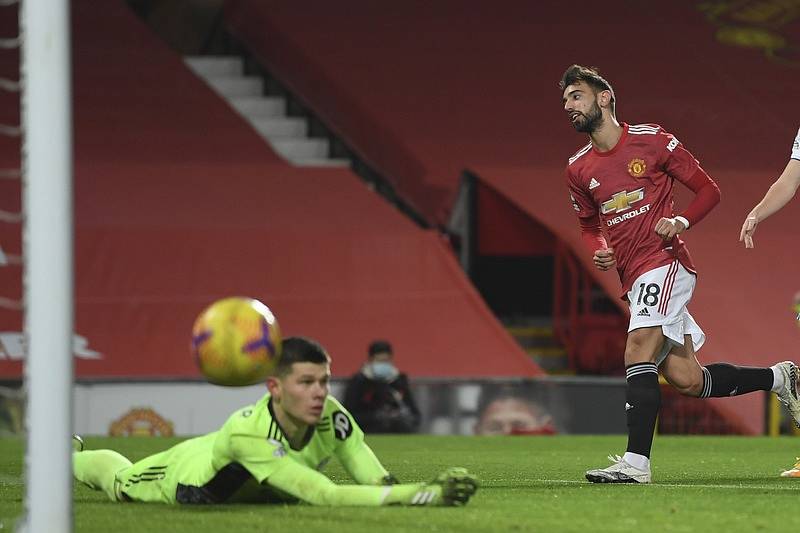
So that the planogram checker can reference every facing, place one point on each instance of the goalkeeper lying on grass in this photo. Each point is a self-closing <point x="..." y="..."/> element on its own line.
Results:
<point x="271" y="452"/>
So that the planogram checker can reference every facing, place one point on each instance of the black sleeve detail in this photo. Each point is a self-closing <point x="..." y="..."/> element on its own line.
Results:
<point x="221" y="487"/>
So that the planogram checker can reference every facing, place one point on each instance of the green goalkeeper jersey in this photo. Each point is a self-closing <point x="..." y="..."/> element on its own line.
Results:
<point x="250" y="460"/>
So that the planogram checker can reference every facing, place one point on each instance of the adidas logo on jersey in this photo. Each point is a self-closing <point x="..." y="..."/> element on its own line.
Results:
<point x="593" y="184"/>
<point x="628" y="406"/>
<point x="643" y="312"/>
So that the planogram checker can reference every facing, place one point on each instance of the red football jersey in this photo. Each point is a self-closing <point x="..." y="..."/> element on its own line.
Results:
<point x="630" y="188"/>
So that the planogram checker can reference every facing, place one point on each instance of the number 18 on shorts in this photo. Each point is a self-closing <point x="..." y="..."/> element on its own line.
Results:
<point x="660" y="297"/>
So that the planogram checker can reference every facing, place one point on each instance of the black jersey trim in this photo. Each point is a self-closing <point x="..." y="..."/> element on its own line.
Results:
<point x="276" y="431"/>
<point x="218" y="490"/>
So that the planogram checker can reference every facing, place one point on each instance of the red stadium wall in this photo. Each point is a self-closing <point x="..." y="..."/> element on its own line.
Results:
<point x="426" y="89"/>
<point x="178" y="202"/>
<point x="504" y="229"/>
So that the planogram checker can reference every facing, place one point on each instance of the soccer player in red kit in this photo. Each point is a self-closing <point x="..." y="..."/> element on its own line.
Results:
<point x="621" y="187"/>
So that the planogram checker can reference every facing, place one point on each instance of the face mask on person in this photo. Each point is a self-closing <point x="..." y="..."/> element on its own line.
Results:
<point x="383" y="370"/>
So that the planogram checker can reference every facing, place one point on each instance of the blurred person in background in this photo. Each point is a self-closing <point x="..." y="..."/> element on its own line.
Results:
<point x="379" y="396"/>
<point x="509" y="411"/>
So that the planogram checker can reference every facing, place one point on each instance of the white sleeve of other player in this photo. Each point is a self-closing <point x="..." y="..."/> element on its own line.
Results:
<point x="796" y="147"/>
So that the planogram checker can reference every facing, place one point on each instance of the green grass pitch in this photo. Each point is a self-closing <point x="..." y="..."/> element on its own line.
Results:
<point x="527" y="483"/>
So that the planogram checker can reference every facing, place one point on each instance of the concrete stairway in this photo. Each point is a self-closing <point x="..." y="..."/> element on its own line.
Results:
<point x="287" y="135"/>
<point x="537" y="339"/>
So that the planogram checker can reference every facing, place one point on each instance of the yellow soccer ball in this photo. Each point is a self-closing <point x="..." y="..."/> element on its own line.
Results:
<point x="236" y="342"/>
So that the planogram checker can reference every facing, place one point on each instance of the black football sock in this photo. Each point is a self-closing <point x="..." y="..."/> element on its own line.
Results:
<point x="723" y="379"/>
<point x="643" y="398"/>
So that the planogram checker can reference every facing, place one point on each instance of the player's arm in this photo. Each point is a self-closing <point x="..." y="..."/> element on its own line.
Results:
<point x="589" y="221"/>
<point x="595" y="242"/>
<point x="363" y="466"/>
<point x="356" y="457"/>
<point x="268" y="462"/>
<point x="777" y="196"/>
<point x="452" y="487"/>
<point x="681" y="165"/>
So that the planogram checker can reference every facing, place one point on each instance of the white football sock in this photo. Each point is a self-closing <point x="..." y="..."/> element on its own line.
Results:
<point x="637" y="461"/>
<point x="777" y="379"/>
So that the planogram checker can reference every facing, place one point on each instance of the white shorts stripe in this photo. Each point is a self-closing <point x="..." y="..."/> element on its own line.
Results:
<point x="668" y="282"/>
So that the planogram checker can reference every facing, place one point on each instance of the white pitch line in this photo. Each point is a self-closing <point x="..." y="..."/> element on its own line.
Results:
<point x="677" y="485"/>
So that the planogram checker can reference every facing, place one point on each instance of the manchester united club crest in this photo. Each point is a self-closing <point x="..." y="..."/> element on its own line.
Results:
<point x="141" y="422"/>
<point x="637" y="167"/>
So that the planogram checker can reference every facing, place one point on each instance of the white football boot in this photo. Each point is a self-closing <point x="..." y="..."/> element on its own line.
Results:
<point x="619" y="472"/>
<point x="794" y="471"/>
<point x="788" y="393"/>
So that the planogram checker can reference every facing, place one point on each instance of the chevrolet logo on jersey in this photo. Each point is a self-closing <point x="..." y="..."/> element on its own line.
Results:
<point x="622" y="201"/>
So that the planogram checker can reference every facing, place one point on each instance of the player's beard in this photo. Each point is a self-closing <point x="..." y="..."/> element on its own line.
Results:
<point x="591" y="121"/>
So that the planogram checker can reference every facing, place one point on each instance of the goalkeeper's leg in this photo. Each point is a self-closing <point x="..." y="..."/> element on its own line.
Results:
<point x="97" y="469"/>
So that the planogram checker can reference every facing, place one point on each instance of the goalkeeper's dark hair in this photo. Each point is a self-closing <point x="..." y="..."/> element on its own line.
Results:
<point x="300" y="350"/>
<point x="591" y="77"/>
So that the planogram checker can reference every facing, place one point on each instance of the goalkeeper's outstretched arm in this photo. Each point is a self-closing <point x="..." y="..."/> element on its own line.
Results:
<point x="454" y="486"/>
<point x="362" y="465"/>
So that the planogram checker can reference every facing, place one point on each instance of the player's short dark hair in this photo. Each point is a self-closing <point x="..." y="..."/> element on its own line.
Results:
<point x="300" y="350"/>
<point x="379" y="346"/>
<point x="589" y="75"/>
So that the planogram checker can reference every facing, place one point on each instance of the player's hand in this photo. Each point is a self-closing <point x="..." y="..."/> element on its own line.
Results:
<point x="453" y="487"/>
<point x="604" y="259"/>
<point x="748" y="228"/>
<point x="667" y="228"/>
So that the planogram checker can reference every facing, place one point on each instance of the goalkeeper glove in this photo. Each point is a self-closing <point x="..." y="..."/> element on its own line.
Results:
<point x="453" y="487"/>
